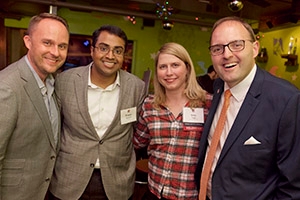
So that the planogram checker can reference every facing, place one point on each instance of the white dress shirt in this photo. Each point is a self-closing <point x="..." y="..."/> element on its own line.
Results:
<point x="239" y="93"/>
<point x="102" y="104"/>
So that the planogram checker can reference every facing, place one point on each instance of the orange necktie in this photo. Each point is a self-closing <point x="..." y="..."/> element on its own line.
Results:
<point x="213" y="147"/>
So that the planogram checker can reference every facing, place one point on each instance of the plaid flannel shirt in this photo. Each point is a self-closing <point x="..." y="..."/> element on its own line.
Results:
<point x="173" y="151"/>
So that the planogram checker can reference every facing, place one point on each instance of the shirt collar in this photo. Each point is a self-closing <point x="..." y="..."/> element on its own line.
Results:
<point x="49" y="80"/>
<point x="110" y="87"/>
<point x="240" y="90"/>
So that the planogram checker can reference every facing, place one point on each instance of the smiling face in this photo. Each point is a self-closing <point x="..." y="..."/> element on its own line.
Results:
<point x="171" y="73"/>
<point x="47" y="46"/>
<point x="233" y="67"/>
<point x="107" y="61"/>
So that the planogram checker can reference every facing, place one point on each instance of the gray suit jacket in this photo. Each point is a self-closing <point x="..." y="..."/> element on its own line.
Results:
<point x="81" y="146"/>
<point x="27" y="147"/>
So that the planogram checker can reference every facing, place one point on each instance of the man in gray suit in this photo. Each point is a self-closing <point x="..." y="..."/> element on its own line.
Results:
<point x="29" y="120"/>
<point x="99" y="105"/>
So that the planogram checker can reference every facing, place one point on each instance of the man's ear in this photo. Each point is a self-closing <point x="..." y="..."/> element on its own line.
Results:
<point x="256" y="46"/>
<point x="27" y="41"/>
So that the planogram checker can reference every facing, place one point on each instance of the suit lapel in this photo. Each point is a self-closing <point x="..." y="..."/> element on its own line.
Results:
<point x="124" y="83"/>
<point x="34" y="93"/>
<point x="212" y="110"/>
<point x="218" y="88"/>
<point x="58" y="120"/>
<point x="121" y="102"/>
<point x="81" y="92"/>
<point x="248" y="107"/>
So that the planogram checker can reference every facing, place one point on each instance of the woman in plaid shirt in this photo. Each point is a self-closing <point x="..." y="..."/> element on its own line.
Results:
<point x="170" y="124"/>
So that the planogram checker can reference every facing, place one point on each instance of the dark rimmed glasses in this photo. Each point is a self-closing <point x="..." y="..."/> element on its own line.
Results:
<point x="104" y="48"/>
<point x="234" y="46"/>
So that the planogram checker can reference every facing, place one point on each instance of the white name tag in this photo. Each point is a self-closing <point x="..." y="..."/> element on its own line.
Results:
<point x="193" y="115"/>
<point x="128" y="115"/>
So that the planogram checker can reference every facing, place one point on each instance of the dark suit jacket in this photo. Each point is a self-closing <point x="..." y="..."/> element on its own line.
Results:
<point x="80" y="143"/>
<point x="206" y="83"/>
<point x="27" y="147"/>
<point x="270" y="170"/>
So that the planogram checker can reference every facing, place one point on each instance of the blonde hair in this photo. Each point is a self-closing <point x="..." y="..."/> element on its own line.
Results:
<point x="193" y="90"/>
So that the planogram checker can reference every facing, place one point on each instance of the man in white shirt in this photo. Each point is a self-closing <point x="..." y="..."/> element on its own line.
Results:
<point x="258" y="154"/>
<point x="99" y="105"/>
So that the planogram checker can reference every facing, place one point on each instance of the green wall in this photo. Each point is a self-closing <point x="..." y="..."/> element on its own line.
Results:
<point x="276" y="42"/>
<point x="147" y="40"/>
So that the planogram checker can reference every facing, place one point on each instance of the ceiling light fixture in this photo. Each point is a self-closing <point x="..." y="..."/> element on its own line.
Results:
<point x="131" y="19"/>
<point x="167" y="25"/>
<point x="163" y="12"/>
<point x="53" y="10"/>
<point x="235" y="5"/>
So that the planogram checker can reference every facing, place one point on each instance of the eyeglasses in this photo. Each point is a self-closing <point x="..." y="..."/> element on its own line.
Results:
<point x="234" y="46"/>
<point x="104" y="48"/>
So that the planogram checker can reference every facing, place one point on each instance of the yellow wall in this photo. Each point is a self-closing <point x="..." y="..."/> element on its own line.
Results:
<point x="276" y="64"/>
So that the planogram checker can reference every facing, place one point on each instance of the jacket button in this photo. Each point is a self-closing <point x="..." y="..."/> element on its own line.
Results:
<point x="52" y="157"/>
<point x="47" y="179"/>
<point x="92" y="165"/>
<point x="101" y="142"/>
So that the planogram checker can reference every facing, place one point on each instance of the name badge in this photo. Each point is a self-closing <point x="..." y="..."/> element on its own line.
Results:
<point x="193" y="115"/>
<point x="193" y="119"/>
<point x="128" y="115"/>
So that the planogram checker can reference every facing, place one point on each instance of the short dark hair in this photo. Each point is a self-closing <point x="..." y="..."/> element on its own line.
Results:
<point x="115" y="30"/>
<point x="37" y="18"/>
<point x="210" y="69"/>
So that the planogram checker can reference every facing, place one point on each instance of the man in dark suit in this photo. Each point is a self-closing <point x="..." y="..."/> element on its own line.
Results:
<point x="30" y="120"/>
<point x="99" y="105"/>
<point x="206" y="81"/>
<point x="258" y="154"/>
